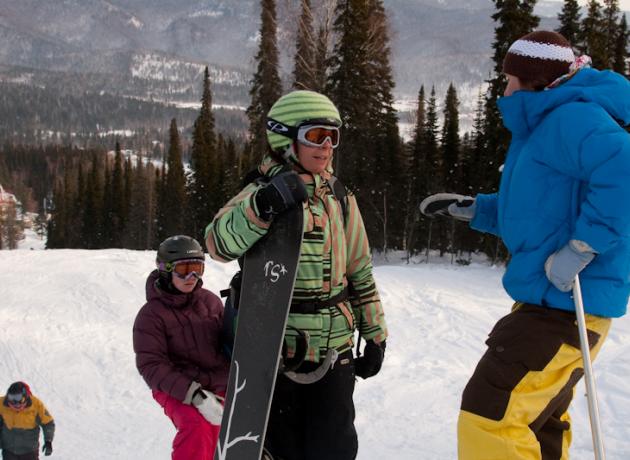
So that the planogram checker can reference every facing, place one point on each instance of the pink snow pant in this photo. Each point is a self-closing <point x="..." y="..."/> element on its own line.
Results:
<point x="196" y="438"/>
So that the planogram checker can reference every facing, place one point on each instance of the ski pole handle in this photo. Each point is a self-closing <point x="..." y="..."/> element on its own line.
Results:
<point x="591" y="393"/>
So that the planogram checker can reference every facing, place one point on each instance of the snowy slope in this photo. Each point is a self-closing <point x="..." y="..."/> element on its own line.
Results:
<point x="65" y="327"/>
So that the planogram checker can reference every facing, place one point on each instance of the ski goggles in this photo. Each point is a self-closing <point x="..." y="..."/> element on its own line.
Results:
<point x="186" y="268"/>
<point x="317" y="135"/>
<point x="16" y="400"/>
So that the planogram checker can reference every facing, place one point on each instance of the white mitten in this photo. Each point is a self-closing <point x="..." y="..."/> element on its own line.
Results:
<point x="209" y="405"/>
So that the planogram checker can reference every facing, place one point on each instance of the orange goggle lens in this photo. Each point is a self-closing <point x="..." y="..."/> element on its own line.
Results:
<point x="317" y="135"/>
<point x="186" y="267"/>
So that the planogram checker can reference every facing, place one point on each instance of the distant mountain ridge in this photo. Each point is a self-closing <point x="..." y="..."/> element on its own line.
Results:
<point x="433" y="41"/>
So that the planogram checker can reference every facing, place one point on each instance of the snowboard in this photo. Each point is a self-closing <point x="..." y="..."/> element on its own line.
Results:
<point x="269" y="272"/>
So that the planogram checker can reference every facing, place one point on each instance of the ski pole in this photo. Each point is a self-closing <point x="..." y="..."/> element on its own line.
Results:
<point x="591" y="394"/>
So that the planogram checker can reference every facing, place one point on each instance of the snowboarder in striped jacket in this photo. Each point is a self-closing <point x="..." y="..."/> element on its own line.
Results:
<point x="334" y="292"/>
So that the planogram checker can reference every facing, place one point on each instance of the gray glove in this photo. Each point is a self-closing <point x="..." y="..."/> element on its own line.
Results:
<point x="460" y="207"/>
<point x="562" y="266"/>
<point x="209" y="405"/>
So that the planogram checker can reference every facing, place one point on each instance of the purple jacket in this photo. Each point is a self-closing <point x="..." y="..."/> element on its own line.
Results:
<point x="176" y="340"/>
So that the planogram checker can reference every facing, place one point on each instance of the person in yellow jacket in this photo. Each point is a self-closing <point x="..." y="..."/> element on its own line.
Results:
<point x="21" y="416"/>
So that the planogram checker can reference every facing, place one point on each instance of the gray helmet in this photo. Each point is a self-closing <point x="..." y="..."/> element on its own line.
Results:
<point x="177" y="248"/>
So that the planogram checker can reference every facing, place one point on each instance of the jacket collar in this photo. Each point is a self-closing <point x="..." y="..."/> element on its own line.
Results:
<point x="524" y="110"/>
<point x="168" y="299"/>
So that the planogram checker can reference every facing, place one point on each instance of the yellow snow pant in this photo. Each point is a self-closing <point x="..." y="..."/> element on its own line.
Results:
<point x="515" y="405"/>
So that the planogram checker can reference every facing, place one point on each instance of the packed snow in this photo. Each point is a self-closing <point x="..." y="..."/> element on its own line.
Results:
<point x="67" y="318"/>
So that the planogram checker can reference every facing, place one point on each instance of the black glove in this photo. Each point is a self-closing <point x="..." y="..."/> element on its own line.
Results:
<point x="283" y="192"/>
<point x="370" y="363"/>
<point x="47" y="449"/>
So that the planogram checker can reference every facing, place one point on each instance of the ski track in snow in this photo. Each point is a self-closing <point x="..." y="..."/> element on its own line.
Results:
<point x="66" y="318"/>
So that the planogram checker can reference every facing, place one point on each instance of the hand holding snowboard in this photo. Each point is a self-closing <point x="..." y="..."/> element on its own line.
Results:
<point x="282" y="192"/>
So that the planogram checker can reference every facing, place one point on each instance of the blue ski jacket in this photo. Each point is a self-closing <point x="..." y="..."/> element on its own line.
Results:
<point x="566" y="176"/>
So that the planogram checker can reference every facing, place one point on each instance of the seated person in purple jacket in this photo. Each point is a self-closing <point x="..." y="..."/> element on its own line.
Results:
<point x="176" y="341"/>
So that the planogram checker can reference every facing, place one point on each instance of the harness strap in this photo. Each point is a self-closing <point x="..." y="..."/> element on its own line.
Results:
<point x="301" y="349"/>
<point x="317" y="374"/>
<point x="314" y="307"/>
<point x="340" y="192"/>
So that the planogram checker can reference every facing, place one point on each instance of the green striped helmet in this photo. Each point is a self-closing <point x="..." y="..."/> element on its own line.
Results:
<point x="293" y="110"/>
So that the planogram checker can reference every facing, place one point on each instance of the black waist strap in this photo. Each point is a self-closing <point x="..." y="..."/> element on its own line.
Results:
<point x="314" y="307"/>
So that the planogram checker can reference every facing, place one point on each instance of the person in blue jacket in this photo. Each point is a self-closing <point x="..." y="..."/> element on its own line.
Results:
<point x="562" y="209"/>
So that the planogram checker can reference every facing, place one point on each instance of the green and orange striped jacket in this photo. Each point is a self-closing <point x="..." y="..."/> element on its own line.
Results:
<point x="334" y="251"/>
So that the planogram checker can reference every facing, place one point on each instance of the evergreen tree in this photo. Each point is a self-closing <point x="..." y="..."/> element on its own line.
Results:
<point x="56" y="224"/>
<point x="304" y="70"/>
<point x="433" y="164"/>
<point x="232" y="181"/>
<point x="70" y="237"/>
<point x="361" y="85"/>
<point x="593" y="38"/>
<point x="569" y="19"/>
<point x="173" y="196"/>
<point x="107" y="206"/>
<point x="79" y="205"/>
<point x="514" y="19"/>
<point x="92" y="225"/>
<point x="128" y="180"/>
<point x="387" y="157"/>
<point x="229" y="167"/>
<point x="452" y="156"/>
<point x="321" y="60"/>
<point x="159" y="184"/>
<point x="205" y="197"/>
<point x="61" y="232"/>
<point x="141" y="205"/>
<point x="117" y="210"/>
<point x="416" y="224"/>
<point x="266" y="87"/>
<point x="148" y="241"/>
<point x="350" y="88"/>
<point x="477" y="162"/>
<point x="432" y="172"/>
<point x="451" y="142"/>
<point x="621" y="48"/>
<point x="610" y="29"/>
